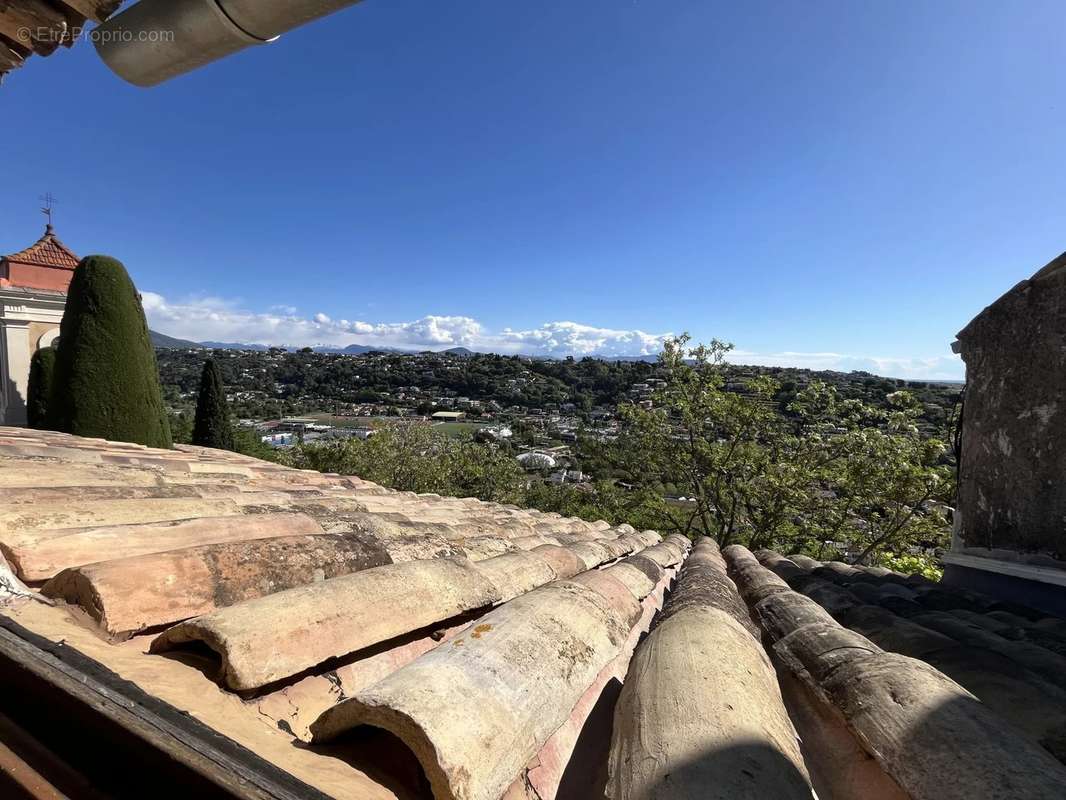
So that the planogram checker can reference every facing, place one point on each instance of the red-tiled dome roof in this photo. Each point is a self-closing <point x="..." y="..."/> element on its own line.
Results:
<point x="48" y="251"/>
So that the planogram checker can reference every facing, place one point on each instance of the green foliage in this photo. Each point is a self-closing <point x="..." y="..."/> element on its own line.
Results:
<point x="180" y="428"/>
<point x="417" y="458"/>
<point x="106" y="380"/>
<point x="828" y="470"/>
<point x="247" y="442"/>
<point x="212" y="427"/>
<point x="39" y="393"/>
<point x="909" y="564"/>
<point x="604" y="500"/>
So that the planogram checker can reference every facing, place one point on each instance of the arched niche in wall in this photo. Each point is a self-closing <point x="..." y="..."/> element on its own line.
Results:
<point x="48" y="338"/>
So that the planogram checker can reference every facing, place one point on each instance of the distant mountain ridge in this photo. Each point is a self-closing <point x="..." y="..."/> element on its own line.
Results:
<point x="238" y="346"/>
<point x="162" y="340"/>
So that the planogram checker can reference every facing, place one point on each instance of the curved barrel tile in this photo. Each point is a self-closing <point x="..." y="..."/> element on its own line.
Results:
<point x="312" y="624"/>
<point x="573" y="761"/>
<point x="934" y="739"/>
<point x="478" y="548"/>
<point x="93" y="492"/>
<point x="275" y="637"/>
<point x="701" y="706"/>
<point x="79" y="547"/>
<point x="23" y="526"/>
<point x="632" y="577"/>
<point x="517" y="573"/>
<point x="592" y="554"/>
<point x="530" y="542"/>
<point x="127" y="595"/>
<point x="513" y="691"/>
<point x="615" y="548"/>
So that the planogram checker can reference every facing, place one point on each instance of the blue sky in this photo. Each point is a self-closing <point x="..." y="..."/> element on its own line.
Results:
<point x="825" y="184"/>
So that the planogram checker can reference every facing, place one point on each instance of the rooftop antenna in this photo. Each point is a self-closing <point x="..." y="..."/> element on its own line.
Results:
<point x="48" y="201"/>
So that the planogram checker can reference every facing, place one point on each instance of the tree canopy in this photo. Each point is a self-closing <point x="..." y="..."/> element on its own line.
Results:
<point x="828" y="474"/>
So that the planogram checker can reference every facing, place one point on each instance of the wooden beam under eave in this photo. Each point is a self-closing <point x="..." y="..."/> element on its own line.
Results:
<point x="23" y="51"/>
<point x="39" y="26"/>
<point x="96" y="10"/>
<point x="9" y="59"/>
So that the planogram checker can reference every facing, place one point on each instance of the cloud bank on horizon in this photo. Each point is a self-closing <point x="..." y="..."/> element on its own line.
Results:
<point x="220" y="320"/>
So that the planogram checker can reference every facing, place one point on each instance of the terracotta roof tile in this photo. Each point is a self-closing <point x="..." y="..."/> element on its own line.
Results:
<point x="287" y="608"/>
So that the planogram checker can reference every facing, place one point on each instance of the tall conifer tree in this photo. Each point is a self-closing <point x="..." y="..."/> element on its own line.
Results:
<point x="212" y="427"/>
<point x="106" y="378"/>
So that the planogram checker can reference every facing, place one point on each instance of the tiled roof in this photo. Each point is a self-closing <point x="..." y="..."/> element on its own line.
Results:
<point x="381" y="644"/>
<point x="47" y="251"/>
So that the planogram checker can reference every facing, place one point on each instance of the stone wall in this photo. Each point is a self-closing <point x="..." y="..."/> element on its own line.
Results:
<point x="1012" y="473"/>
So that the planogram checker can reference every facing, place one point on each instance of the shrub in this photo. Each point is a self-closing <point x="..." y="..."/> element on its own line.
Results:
<point x="39" y="393"/>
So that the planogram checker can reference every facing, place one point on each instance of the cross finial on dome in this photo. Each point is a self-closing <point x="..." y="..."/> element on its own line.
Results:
<point x="48" y="201"/>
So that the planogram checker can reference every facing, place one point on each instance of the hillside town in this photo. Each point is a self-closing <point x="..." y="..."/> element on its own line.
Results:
<point x="542" y="405"/>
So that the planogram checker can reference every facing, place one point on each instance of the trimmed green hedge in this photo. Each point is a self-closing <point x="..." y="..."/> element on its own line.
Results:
<point x="106" y="379"/>
<point x="39" y="393"/>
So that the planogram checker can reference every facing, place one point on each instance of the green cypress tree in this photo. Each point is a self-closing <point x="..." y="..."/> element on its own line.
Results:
<point x="39" y="393"/>
<point x="212" y="426"/>
<point x="106" y="378"/>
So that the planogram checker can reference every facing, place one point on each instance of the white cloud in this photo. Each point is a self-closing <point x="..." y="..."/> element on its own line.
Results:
<point x="945" y="367"/>
<point x="212" y="319"/>
<point x="221" y="320"/>
<point x="573" y="338"/>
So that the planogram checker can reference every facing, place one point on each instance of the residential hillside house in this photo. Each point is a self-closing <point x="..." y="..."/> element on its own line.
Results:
<point x="33" y="294"/>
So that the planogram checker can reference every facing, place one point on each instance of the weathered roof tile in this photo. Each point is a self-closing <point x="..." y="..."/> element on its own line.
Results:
<point x="492" y="640"/>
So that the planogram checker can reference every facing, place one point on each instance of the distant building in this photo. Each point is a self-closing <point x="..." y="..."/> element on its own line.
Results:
<point x="33" y="295"/>
<point x="496" y="433"/>
<point x="536" y="461"/>
<point x="296" y="423"/>
<point x="567" y="476"/>
<point x="448" y="416"/>
<point x="279" y="439"/>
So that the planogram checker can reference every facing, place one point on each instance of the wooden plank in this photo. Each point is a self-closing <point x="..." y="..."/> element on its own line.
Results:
<point x="73" y="679"/>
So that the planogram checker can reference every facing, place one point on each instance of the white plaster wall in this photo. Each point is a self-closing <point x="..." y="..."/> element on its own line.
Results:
<point x="19" y="308"/>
